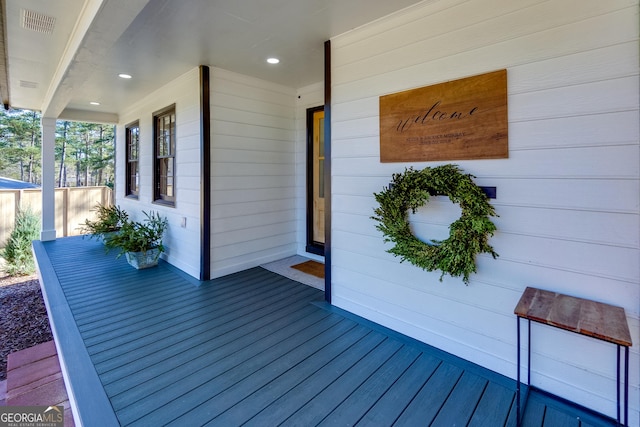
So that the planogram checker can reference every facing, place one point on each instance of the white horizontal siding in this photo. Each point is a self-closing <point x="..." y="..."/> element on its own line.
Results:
<point x="253" y="172"/>
<point x="565" y="163"/>
<point x="182" y="244"/>
<point x="568" y="196"/>
<point x="459" y="42"/>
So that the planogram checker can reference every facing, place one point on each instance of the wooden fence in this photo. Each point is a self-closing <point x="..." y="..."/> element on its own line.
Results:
<point x="73" y="207"/>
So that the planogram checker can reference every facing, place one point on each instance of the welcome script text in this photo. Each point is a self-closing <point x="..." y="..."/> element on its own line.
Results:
<point x="433" y="114"/>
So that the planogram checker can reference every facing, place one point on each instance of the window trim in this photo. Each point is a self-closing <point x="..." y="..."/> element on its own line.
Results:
<point x="129" y="192"/>
<point x="158" y="197"/>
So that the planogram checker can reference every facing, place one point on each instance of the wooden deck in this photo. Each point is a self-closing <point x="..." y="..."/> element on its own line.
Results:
<point x="155" y="347"/>
<point x="34" y="378"/>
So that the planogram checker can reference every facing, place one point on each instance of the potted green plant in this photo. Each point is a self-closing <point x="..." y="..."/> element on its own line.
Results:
<point x="140" y="242"/>
<point x="109" y="220"/>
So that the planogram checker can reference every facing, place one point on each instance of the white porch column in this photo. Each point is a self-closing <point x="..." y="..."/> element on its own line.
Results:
<point x="48" y="128"/>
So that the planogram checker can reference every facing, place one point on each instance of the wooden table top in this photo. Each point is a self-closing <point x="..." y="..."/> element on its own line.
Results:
<point x="583" y="316"/>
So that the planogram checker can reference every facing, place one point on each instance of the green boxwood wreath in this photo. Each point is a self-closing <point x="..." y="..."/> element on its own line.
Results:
<point x="468" y="235"/>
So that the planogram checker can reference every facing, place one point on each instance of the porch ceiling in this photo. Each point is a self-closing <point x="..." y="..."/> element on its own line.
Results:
<point x="59" y="72"/>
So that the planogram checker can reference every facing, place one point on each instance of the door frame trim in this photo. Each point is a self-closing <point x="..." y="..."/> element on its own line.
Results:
<point x="311" y="246"/>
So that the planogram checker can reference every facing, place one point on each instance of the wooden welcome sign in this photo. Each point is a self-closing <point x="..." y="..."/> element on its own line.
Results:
<point x="457" y="120"/>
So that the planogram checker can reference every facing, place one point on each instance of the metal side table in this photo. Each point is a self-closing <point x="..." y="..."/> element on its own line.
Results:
<point x="594" y="319"/>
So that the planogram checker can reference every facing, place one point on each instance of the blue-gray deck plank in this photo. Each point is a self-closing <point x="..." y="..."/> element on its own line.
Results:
<point x="255" y="401"/>
<point x="358" y="403"/>
<point x="226" y="373"/>
<point x="325" y="402"/>
<point x="138" y="382"/>
<point x="165" y="334"/>
<point x="301" y="393"/>
<point x="255" y="348"/>
<point x="496" y="404"/>
<point x="388" y="408"/>
<point x="427" y="403"/>
<point x="469" y="390"/>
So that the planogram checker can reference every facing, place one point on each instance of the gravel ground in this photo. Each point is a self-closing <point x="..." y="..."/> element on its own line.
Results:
<point x="23" y="317"/>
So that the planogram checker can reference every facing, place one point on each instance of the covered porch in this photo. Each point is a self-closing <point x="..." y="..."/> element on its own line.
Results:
<point x="156" y="347"/>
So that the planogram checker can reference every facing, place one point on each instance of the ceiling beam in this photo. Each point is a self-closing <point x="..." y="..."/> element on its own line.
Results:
<point x="75" y="115"/>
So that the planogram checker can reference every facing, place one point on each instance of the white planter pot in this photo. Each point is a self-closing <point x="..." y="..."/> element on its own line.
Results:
<point x="145" y="259"/>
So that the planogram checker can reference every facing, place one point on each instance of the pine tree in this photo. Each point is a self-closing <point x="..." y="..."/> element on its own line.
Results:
<point x="86" y="148"/>
<point x="17" y="253"/>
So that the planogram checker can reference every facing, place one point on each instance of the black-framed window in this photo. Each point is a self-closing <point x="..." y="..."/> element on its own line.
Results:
<point x="164" y="156"/>
<point x="132" y="155"/>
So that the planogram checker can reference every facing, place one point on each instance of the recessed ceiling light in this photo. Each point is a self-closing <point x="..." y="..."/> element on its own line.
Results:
<point x="124" y="76"/>
<point x="273" y="60"/>
<point x="94" y="103"/>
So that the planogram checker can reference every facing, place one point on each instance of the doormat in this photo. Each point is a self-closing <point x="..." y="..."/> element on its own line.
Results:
<point x="311" y="267"/>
